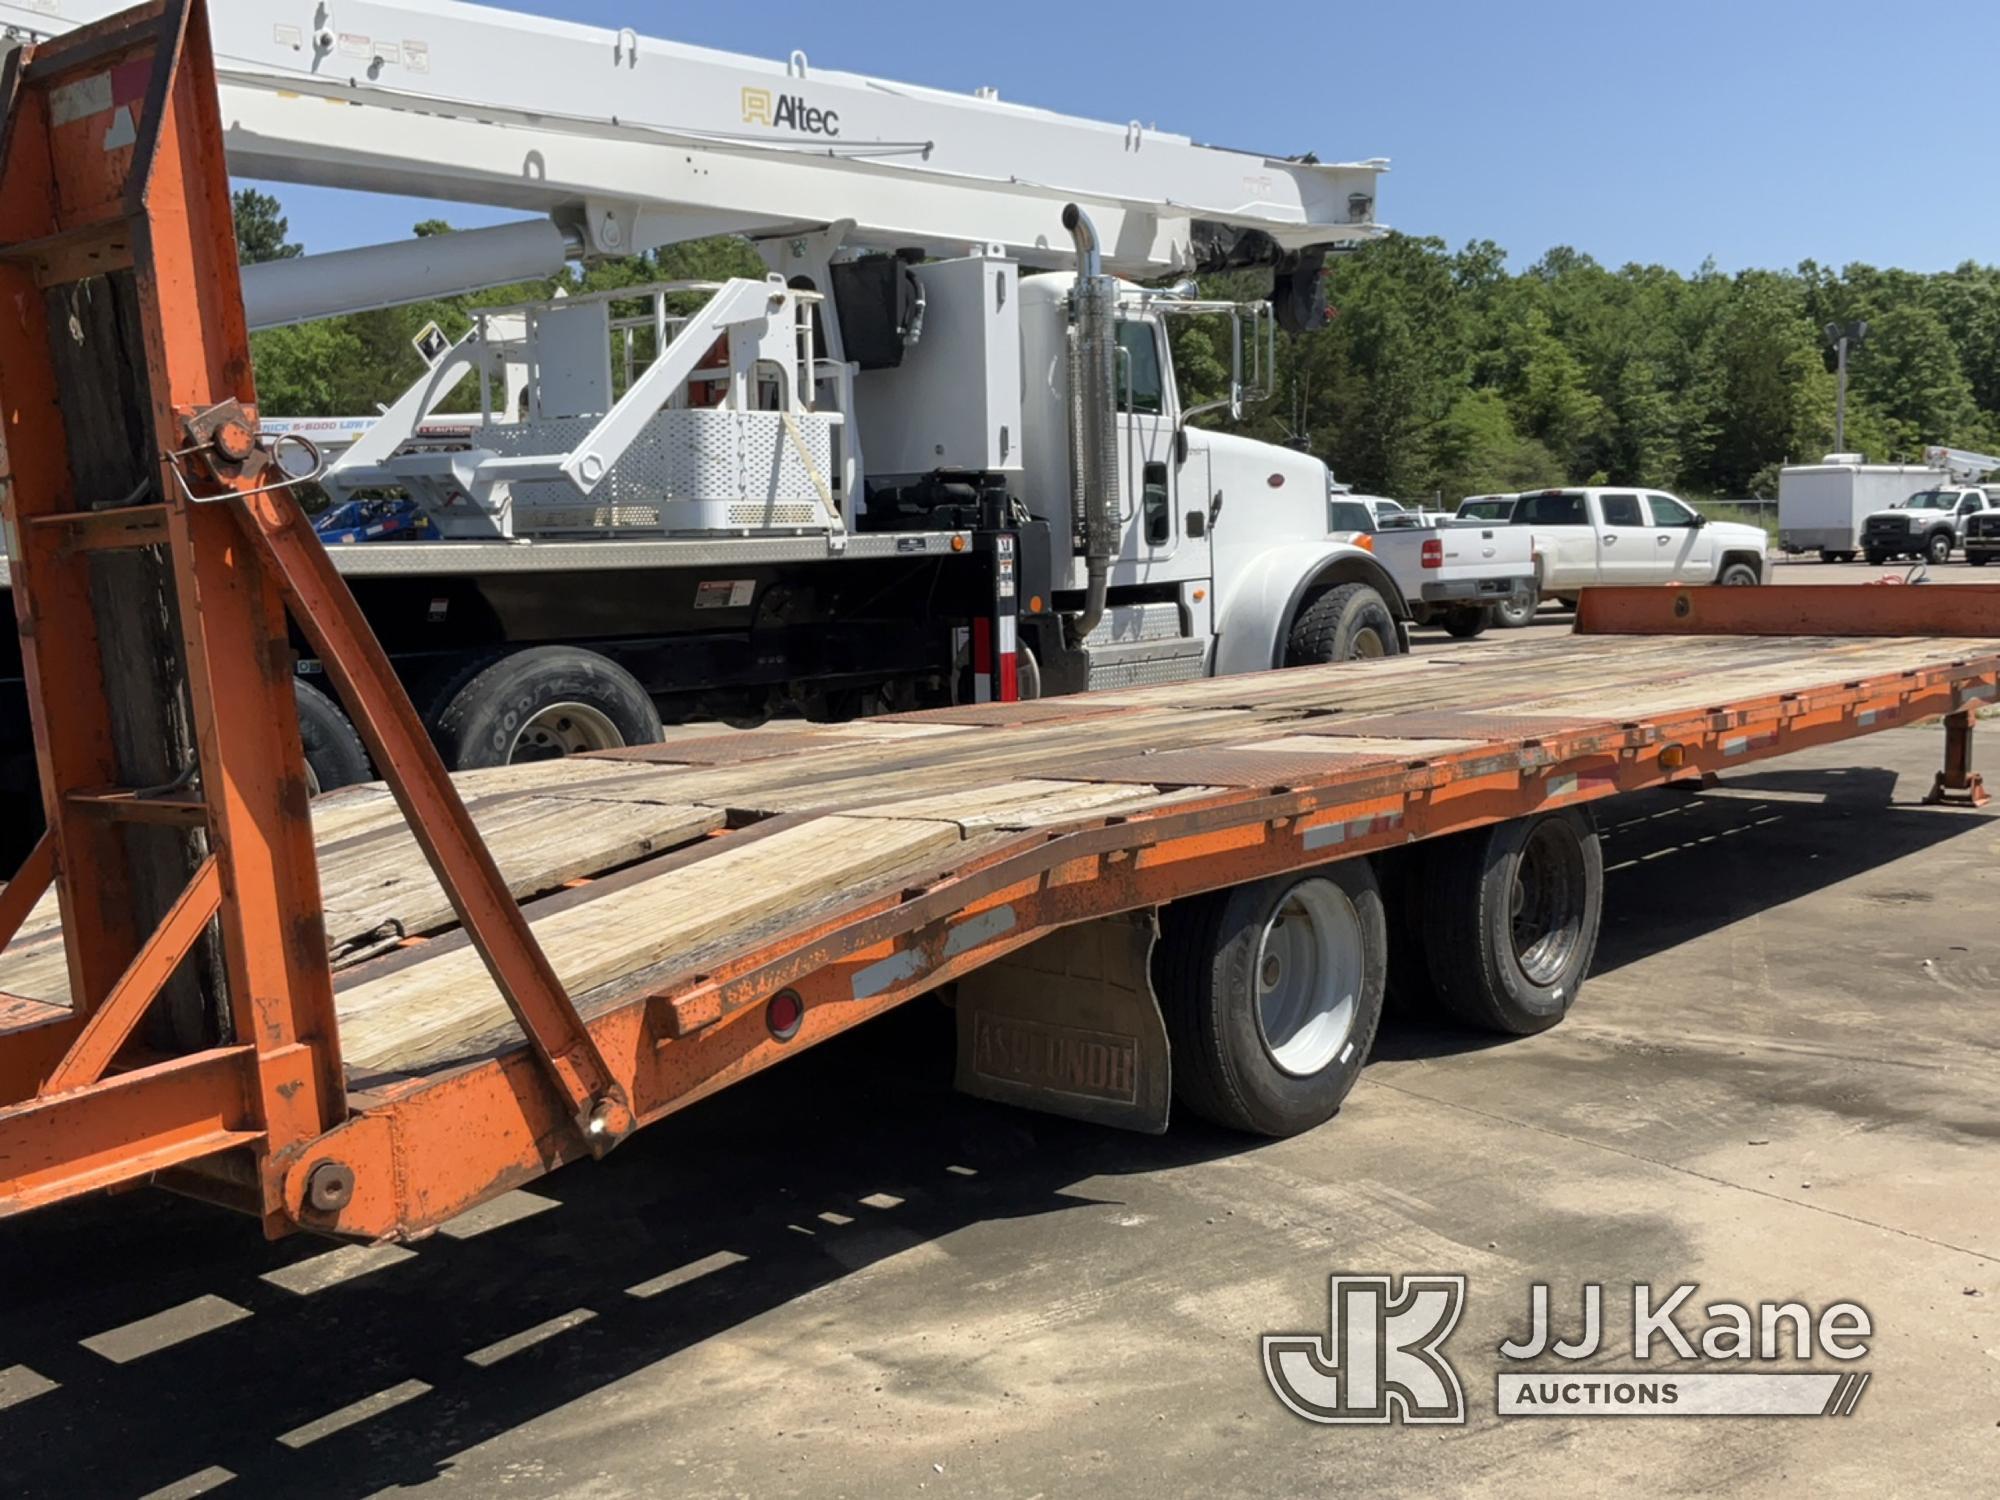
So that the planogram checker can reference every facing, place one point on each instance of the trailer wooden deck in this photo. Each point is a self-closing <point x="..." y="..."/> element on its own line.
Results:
<point x="655" y="869"/>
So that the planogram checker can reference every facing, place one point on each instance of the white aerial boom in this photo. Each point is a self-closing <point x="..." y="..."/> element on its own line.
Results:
<point x="626" y="143"/>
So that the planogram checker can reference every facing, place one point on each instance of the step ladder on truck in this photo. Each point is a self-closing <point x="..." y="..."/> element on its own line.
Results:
<point x="365" y="1013"/>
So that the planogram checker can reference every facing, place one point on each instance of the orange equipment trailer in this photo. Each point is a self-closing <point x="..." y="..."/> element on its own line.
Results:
<point x="366" y="1013"/>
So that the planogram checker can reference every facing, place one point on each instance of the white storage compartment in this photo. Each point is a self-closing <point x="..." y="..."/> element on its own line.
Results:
<point x="955" y="401"/>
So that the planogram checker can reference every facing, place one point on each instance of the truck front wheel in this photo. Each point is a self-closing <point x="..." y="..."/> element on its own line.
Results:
<point x="1937" y="549"/>
<point x="1349" y="622"/>
<point x="543" y="704"/>
<point x="1739" y="575"/>
<point x="1271" y="993"/>
<point x="1510" y="918"/>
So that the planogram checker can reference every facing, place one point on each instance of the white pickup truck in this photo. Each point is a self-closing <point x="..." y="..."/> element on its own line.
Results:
<point x="1462" y="576"/>
<point x="1586" y="537"/>
<point x="1928" y="524"/>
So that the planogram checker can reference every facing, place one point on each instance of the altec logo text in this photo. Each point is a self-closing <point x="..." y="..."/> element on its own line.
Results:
<point x="788" y="112"/>
<point x="1382" y="1358"/>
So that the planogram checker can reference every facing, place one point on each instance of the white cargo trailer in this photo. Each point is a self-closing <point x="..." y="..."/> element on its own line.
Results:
<point x="1821" y="507"/>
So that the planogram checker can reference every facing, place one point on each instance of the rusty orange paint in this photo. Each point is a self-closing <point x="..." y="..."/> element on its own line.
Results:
<point x="1842" y="609"/>
<point x="111" y="1025"/>
<point x="29" y="885"/>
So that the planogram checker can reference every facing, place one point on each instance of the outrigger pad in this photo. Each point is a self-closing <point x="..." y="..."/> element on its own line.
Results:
<point x="1069" y="1025"/>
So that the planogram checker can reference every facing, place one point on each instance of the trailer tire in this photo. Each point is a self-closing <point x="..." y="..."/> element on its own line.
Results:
<point x="542" y="704"/>
<point x="335" y="756"/>
<point x="1269" y="1032"/>
<point x="1467" y="623"/>
<point x="1510" y="920"/>
<point x="1937" y="548"/>
<point x="1400" y="875"/>
<point x="1350" y="622"/>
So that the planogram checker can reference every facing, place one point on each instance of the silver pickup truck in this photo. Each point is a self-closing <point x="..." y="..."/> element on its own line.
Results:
<point x="1464" y="576"/>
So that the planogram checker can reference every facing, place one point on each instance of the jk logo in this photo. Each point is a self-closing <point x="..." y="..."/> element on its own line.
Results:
<point x="1381" y="1360"/>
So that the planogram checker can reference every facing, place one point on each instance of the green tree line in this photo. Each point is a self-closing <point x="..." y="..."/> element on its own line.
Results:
<point x="1445" y="373"/>
<point x="1439" y="372"/>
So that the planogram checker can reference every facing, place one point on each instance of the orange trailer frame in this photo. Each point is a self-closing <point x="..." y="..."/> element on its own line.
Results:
<point x="113" y="186"/>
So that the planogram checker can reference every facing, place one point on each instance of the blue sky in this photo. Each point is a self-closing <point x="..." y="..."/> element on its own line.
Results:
<point x="1759" y="132"/>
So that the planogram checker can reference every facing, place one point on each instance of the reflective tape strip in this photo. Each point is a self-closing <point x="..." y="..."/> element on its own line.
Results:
<point x="885" y="974"/>
<point x="1326" y="835"/>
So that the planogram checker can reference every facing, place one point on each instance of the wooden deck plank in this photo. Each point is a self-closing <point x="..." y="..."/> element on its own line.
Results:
<point x="384" y="886"/>
<point x="884" y="800"/>
<point x="451" y="997"/>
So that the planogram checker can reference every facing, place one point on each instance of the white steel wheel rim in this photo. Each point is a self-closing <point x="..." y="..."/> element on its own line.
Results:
<point x="564" y="729"/>
<point x="1308" y="974"/>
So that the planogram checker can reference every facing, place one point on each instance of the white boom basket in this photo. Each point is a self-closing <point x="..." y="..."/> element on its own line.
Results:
<point x="718" y="429"/>
<point x="687" y="471"/>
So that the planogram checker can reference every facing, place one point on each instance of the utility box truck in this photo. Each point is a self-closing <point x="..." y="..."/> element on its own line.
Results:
<point x="934" y="454"/>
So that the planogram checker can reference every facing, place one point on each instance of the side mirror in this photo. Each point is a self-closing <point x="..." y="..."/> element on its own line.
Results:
<point x="1180" y="445"/>
<point x="1700" y="520"/>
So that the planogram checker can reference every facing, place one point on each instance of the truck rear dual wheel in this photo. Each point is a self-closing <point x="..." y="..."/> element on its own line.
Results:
<point x="335" y="756"/>
<point x="1349" y="622"/>
<point x="540" y="704"/>
<point x="1517" y="614"/>
<point x="1501" y="923"/>
<point x="1271" y="993"/>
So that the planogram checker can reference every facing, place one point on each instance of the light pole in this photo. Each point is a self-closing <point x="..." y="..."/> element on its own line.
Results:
<point x="1843" y="337"/>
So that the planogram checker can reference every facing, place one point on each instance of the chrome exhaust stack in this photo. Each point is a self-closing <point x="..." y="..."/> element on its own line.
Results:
<point x="1093" y="419"/>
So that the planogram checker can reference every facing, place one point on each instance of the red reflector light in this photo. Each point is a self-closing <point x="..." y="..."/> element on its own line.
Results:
<point x="784" y="1014"/>
<point x="1433" y="553"/>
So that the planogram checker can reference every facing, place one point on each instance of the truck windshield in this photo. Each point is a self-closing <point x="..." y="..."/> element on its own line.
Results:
<point x="1932" y="500"/>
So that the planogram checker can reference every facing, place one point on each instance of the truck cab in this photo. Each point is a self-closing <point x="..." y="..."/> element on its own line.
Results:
<point x="1606" y="536"/>
<point x="1929" y="525"/>
<point x="1982" y="529"/>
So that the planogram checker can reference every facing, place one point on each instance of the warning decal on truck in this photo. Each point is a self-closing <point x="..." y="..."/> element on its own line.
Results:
<point x="725" y="593"/>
